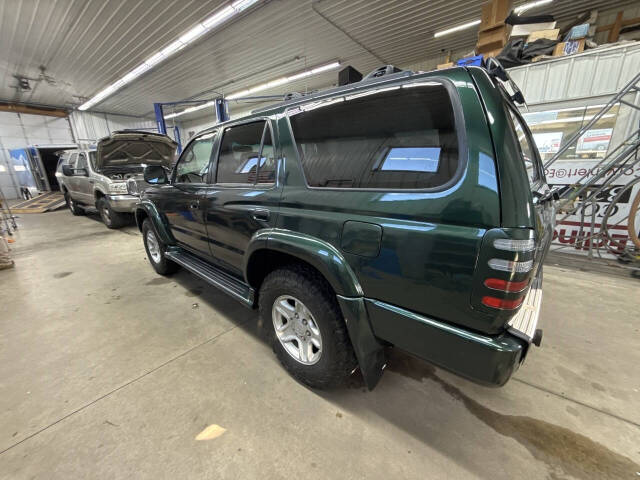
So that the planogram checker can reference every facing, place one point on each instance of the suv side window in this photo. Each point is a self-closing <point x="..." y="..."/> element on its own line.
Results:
<point x="396" y="138"/>
<point x="82" y="161"/>
<point x="527" y="147"/>
<point x="73" y="158"/>
<point x="193" y="164"/>
<point x="247" y="155"/>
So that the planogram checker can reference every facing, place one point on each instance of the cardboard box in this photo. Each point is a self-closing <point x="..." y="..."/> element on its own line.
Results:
<point x="568" y="48"/>
<point x="494" y="12"/>
<point x="548" y="34"/>
<point x="492" y="53"/>
<point x="539" y="58"/>
<point x="493" y="38"/>
<point x="527" y="29"/>
<point x="444" y="65"/>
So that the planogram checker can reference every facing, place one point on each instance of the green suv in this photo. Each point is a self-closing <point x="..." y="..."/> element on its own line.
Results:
<point x="407" y="210"/>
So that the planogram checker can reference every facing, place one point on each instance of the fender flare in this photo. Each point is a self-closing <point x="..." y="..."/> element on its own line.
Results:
<point x="97" y="192"/>
<point x="145" y="208"/>
<point x="330" y="262"/>
<point x="323" y="256"/>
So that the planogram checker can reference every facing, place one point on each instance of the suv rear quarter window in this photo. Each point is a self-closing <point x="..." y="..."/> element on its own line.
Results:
<point x="527" y="147"/>
<point x="392" y="138"/>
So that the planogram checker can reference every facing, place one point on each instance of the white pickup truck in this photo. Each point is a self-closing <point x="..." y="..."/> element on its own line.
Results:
<point x="109" y="178"/>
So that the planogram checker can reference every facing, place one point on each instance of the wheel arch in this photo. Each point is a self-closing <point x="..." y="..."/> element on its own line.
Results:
<point x="272" y="248"/>
<point x="98" y="194"/>
<point x="147" y="209"/>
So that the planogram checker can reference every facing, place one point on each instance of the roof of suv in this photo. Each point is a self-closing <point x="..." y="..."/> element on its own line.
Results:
<point x="399" y="78"/>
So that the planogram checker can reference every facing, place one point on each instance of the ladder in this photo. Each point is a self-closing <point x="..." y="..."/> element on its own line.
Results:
<point x="7" y="220"/>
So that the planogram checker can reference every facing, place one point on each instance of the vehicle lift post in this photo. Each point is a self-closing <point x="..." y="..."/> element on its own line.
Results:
<point x="222" y="115"/>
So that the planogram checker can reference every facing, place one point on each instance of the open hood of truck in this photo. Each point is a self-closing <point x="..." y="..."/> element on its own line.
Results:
<point x="129" y="148"/>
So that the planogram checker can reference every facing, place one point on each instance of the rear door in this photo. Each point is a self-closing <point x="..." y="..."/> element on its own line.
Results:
<point x="181" y="200"/>
<point x="542" y="202"/>
<point x="244" y="195"/>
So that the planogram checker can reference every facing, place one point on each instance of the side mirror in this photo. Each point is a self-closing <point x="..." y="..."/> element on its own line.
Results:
<point x="155" y="175"/>
<point x="67" y="171"/>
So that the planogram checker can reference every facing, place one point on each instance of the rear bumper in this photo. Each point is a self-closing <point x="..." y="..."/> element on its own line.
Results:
<point x="490" y="360"/>
<point x="123" y="203"/>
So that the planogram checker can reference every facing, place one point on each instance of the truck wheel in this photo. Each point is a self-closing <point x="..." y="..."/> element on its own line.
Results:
<point x="155" y="250"/>
<point x="110" y="217"/>
<point x="306" y="329"/>
<point x="73" y="206"/>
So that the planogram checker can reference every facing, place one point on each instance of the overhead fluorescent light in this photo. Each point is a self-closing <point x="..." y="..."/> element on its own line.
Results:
<point x="464" y="26"/>
<point x="185" y="39"/>
<point x="530" y="5"/>
<point x="263" y="86"/>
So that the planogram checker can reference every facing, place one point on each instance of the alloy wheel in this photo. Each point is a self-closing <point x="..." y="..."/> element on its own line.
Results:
<point x="154" y="247"/>
<point x="296" y="330"/>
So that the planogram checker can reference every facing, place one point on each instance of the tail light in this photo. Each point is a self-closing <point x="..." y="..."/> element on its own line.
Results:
<point x="506" y="286"/>
<point x="510" y="266"/>
<point x="504" y="269"/>
<point x="501" y="303"/>
<point x="514" y="245"/>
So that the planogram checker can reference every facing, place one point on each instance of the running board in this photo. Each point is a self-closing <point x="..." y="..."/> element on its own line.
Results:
<point x="213" y="276"/>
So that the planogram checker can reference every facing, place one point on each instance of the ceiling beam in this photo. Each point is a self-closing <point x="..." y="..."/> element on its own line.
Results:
<point x="32" y="110"/>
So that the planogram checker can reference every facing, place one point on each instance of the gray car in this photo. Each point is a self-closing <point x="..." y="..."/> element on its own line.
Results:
<point x="110" y="178"/>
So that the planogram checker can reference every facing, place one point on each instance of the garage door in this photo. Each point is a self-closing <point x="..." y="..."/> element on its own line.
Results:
<point x="19" y="130"/>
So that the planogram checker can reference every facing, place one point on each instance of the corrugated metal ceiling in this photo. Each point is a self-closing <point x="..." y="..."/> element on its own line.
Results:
<point x="84" y="45"/>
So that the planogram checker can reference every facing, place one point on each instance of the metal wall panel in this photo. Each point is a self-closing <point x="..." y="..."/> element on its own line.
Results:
<point x="90" y="126"/>
<point x="600" y="72"/>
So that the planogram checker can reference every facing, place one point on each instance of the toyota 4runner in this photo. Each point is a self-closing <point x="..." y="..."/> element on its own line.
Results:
<point x="408" y="210"/>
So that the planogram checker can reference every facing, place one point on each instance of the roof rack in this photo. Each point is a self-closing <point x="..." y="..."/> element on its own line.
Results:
<point x="370" y="79"/>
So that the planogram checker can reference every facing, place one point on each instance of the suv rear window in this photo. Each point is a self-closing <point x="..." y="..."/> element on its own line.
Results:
<point x="527" y="147"/>
<point x="393" y="138"/>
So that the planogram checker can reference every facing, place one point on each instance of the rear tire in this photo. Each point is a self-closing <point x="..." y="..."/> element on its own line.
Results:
<point x="155" y="250"/>
<point x="73" y="205"/>
<point x="110" y="217"/>
<point x="305" y="327"/>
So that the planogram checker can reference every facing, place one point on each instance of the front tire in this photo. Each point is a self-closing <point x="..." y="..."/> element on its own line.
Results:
<point x="305" y="327"/>
<point x="73" y="205"/>
<point x="109" y="216"/>
<point x="155" y="250"/>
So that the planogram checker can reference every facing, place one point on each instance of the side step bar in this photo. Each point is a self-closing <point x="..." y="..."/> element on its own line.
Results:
<point x="213" y="276"/>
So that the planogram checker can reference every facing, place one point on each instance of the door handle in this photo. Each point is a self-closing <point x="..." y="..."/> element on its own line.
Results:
<point x="260" y="214"/>
<point x="91" y="181"/>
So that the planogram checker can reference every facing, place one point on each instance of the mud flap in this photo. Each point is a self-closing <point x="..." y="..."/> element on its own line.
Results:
<point x="369" y="351"/>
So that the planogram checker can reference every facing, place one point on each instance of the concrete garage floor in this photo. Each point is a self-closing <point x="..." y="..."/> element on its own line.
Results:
<point x="108" y="370"/>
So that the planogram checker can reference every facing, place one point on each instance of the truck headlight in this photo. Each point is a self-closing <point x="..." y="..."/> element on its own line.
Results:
<point x="132" y="187"/>
<point x="118" y="187"/>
